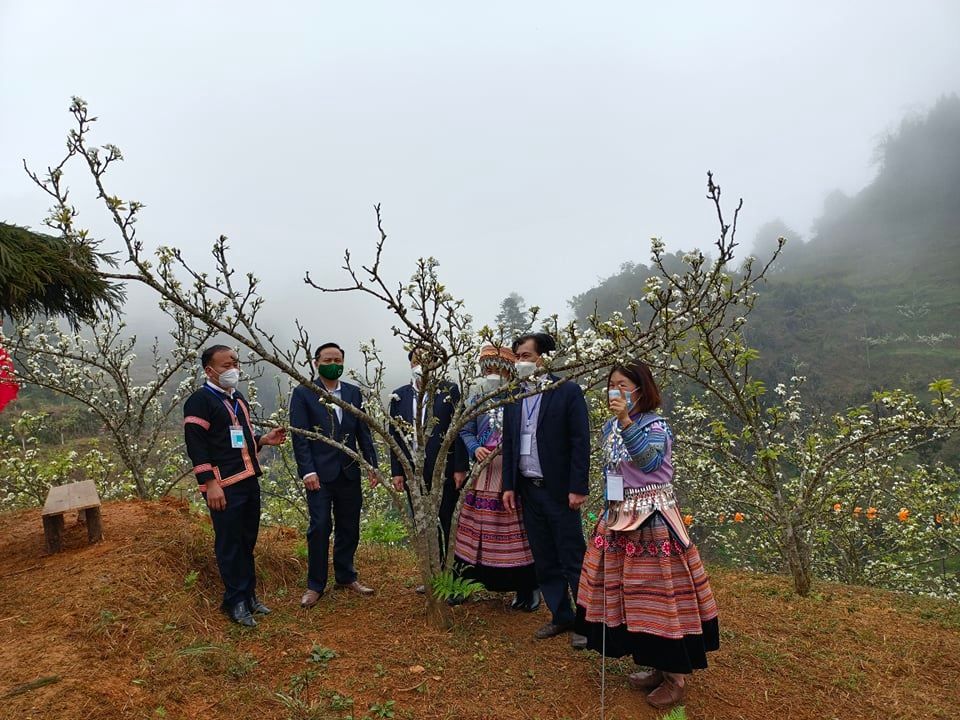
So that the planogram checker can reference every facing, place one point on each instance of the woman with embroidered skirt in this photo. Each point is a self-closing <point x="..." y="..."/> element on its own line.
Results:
<point x="491" y="542"/>
<point x="643" y="581"/>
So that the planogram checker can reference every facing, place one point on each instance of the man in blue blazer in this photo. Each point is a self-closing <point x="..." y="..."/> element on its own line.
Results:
<point x="331" y="477"/>
<point x="546" y="459"/>
<point x="402" y="404"/>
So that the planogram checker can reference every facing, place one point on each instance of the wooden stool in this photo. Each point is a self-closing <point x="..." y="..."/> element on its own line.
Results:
<point x="64" y="498"/>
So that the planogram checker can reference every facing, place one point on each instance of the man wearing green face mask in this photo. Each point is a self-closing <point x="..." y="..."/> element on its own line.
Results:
<point x="330" y="475"/>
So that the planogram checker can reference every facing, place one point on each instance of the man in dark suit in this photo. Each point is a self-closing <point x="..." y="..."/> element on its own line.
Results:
<point x="546" y="458"/>
<point x="404" y="404"/>
<point x="331" y="477"/>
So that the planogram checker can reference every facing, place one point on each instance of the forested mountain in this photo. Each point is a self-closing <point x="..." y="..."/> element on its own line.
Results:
<point x="873" y="299"/>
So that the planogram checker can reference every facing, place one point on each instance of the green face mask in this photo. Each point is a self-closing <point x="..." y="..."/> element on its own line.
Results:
<point x="331" y="371"/>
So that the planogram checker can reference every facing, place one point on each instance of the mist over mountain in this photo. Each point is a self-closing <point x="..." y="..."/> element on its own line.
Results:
<point x="872" y="299"/>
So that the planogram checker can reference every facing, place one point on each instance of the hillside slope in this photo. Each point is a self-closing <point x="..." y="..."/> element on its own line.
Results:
<point x="131" y="633"/>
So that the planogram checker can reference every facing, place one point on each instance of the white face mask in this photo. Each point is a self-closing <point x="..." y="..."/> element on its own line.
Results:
<point x="490" y="383"/>
<point x="230" y="378"/>
<point x="525" y="368"/>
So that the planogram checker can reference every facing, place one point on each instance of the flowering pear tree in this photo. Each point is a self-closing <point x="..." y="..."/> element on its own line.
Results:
<point x="27" y="471"/>
<point x="96" y="367"/>
<point x="425" y="317"/>
<point x="764" y="472"/>
<point x="895" y="526"/>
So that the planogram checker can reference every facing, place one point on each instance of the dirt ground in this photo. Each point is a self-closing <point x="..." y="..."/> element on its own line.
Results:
<point x="129" y="628"/>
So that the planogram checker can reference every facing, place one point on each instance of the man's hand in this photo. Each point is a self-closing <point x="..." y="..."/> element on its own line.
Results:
<point x="277" y="436"/>
<point x="482" y="453"/>
<point x="374" y="478"/>
<point x="312" y="482"/>
<point x="398" y="483"/>
<point x="576" y="500"/>
<point x="509" y="499"/>
<point x="216" y="500"/>
<point x="459" y="478"/>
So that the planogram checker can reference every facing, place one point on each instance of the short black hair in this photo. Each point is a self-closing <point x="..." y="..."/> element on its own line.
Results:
<point x="544" y="342"/>
<point x="316" y="355"/>
<point x="207" y="355"/>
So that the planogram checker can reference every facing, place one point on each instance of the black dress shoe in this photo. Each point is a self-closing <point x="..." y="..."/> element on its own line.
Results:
<point x="550" y="629"/>
<point x="257" y="607"/>
<point x="240" y="614"/>
<point x="526" y="600"/>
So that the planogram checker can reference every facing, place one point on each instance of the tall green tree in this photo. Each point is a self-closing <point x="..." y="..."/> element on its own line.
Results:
<point x="514" y="317"/>
<point x="53" y="276"/>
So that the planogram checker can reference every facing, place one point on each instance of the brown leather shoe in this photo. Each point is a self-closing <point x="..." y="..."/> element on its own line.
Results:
<point x="357" y="587"/>
<point x="310" y="598"/>
<point x="667" y="694"/>
<point x="645" y="680"/>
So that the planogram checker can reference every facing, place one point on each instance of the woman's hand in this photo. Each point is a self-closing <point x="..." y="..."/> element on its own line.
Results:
<point x="618" y="406"/>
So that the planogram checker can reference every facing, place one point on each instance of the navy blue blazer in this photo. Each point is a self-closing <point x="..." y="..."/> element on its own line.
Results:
<point x="309" y="412"/>
<point x="563" y="441"/>
<point x="401" y="406"/>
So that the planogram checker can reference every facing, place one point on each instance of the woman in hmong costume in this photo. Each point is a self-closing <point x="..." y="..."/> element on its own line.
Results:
<point x="491" y="542"/>
<point x="642" y="575"/>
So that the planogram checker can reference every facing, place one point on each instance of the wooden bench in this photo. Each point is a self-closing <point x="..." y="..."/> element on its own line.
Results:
<point x="80" y="496"/>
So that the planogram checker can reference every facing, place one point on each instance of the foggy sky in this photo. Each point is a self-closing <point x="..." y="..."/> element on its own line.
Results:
<point x="530" y="147"/>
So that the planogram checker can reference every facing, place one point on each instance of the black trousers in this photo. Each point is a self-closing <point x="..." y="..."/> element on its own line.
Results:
<point x="335" y="508"/>
<point x="555" y="534"/>
<point x="235" y="535"/>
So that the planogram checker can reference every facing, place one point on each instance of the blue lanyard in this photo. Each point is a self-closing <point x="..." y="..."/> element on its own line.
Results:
<point x="531" y="408"/>
<point x="223" y="398"/>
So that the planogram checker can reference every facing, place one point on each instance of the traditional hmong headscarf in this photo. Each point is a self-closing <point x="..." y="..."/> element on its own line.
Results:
<point x="498" y="360"/>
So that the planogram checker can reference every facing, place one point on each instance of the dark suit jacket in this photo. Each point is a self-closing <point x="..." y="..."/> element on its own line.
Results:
<point x="402" y="407"/>
<point x="309" y="412"/>
<point x="563" y="442"/>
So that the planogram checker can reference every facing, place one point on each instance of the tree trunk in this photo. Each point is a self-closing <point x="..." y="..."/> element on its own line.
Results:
<point x="798" y="559"/>
<point x="426" y="524"/>
<point x="439" y="614"/>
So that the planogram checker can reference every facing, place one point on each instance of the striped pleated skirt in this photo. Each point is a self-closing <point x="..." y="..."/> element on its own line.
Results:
<point x="491" y="543"/>
<point x="652" y="597"/>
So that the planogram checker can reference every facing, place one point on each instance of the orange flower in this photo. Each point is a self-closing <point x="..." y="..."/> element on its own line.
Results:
<point x="688" y="520"/>
<point x="903" y="514"/>
<point x="738" y="517"/>
<point x="857" y="510"/>
<point x="722" y="517"/>
<point x="836" y="507"/>
<point x="938" y="518"/>
<point x="871" y="513"/>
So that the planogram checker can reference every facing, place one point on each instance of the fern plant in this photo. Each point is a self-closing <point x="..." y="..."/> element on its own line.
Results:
<point x="449" y="585"/>
<point x="677" y="713"/>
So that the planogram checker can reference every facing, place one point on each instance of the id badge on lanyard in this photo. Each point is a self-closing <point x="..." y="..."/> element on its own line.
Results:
<point x="526" y="443"/>
<point x="614" y="486"/>
<point x="236" y="436"/>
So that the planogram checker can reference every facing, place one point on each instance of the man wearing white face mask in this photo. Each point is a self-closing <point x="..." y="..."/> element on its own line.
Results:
<point x="408" y="402"/>
<point x="546" y="461"/>
<point x="219" y="437"/>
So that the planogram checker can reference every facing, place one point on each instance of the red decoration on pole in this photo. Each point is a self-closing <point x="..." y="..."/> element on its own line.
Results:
<point x="8" y="384"/>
